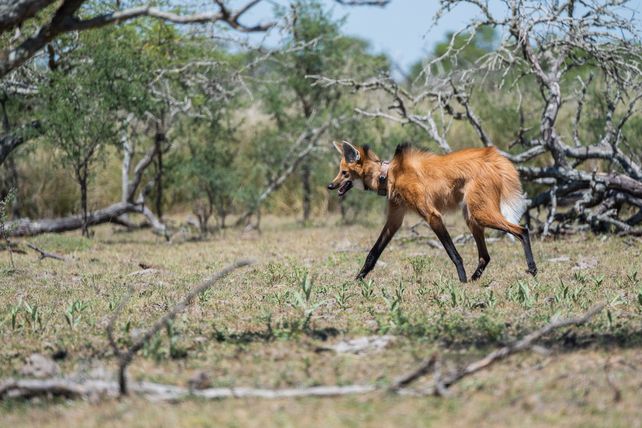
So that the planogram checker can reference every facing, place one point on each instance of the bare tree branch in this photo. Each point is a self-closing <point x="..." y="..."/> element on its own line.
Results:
<point x="548" y="43"/>
<point x="27" y="227"/>
<point x="310" y="140"/>
<point x="363" y="2"/>
<point x="442" y="383"/>
<point x="65" y="20"/>
<point x="44" y="254"/>
<point x="125" y="357"/>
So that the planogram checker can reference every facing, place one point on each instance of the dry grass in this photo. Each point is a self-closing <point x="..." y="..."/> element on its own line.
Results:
<point x="258" y="329"/>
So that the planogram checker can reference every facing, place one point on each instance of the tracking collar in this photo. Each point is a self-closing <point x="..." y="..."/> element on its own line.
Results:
<point x="383" y="179"/>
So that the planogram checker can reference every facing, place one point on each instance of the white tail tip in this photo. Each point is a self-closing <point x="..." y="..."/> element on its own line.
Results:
<point x="512" y="209"/>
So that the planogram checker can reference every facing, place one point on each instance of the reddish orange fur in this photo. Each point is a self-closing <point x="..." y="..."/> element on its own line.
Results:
<point x="480" y="179"/>
<point x="433" y="184"/>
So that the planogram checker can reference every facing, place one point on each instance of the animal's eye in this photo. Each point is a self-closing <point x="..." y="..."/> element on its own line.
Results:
<point x="345" y="173"/>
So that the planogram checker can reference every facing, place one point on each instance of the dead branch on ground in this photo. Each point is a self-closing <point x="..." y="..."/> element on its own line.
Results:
<point x="126" y="356"/>
<point x="28" y="388"/>
<point x="44" y="254"/>
<point x="441" y="384"/>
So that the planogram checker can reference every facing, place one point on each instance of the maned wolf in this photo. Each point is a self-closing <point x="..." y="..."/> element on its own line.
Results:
<point x="483" y="181"/>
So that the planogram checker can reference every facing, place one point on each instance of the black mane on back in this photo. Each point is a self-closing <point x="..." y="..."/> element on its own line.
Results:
<point x="402" y="148"/>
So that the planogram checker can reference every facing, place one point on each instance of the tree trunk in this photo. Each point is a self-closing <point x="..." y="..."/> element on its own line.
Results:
<point x="27" y="227"/>
<point x="81" y="176"/>
<point x="158" y="140"/>
<point x="222" y="214"/>
<point x="307" y="189"/>
<point x="128" y="153"/>
<point x="309" y="136"/>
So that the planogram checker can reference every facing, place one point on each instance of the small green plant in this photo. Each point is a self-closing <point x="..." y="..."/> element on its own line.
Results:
<point x="343" y="295"/>
<point x="14" y="311"/>
<point x="567" y="293"/>
<point x="33" y="316"/>
<point x="521" y="293"/>
<point x="396" y="317"/>
<point x="490" y="300"/>
<point x="563" y="292"/>
<point x="597" y="280"/>
<point x="74" y="311"/>
<point x="580" y="277"/>
<point x="419" y="265"/>
<point x="301" y="299"/>
<point x="453" y="292"/>
<point x="306" y="286"/>
<point x="367" y="289"/>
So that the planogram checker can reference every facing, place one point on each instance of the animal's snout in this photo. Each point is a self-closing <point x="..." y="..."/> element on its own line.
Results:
<point x="332" y="186"/>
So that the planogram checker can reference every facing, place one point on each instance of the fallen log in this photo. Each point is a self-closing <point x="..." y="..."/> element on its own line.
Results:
<point x="30" y="388"/>
<point x="110" y="214"/>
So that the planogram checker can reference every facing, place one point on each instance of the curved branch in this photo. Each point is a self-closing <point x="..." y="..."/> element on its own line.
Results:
<point x="65" y="21"/>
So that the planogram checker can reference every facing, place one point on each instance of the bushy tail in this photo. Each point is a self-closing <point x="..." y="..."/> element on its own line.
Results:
<point x="513" y="207"/>
<point x="513" y="201"/>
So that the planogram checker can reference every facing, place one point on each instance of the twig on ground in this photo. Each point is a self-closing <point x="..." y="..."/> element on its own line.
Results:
<point x="125" y="357"/>
<point x="44" y="254"/>
<point x="527" y="342"/>
<point x="424" y="368"/>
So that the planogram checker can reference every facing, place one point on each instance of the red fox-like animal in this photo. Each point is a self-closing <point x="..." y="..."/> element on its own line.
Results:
<point x="483" y="181"/>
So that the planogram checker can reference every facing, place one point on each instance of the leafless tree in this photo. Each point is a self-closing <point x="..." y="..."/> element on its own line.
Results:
<point x="560" y="50"/>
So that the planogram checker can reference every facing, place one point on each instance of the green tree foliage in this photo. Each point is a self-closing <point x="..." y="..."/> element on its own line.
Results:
<point x="314" y="46"/>
<point x="104" y="75"/>
<point x="207" y="169"/>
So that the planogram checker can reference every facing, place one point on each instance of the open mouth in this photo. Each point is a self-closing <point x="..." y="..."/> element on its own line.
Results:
<point x="345" y="187"/>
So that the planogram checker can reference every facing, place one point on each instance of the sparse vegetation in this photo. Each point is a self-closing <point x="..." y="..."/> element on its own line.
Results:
<point x="161" y="119"/>
<point x="261" y="328"/>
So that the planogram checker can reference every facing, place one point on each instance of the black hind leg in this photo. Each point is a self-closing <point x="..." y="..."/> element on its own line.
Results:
<point x="484" y="257"/>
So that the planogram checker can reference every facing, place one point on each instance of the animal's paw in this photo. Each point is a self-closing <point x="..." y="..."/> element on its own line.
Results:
<point x="476" y="276"/>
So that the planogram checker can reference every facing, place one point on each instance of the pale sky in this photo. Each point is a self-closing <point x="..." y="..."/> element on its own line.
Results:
<point x="401" y="29"/>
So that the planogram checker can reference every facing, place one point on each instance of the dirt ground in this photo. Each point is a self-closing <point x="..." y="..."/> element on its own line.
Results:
<point x="267" y="326"/>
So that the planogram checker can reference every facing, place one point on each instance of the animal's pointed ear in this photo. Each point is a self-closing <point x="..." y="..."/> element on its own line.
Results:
<point x="338" y="147"/>
<point x="350" y="153"/>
